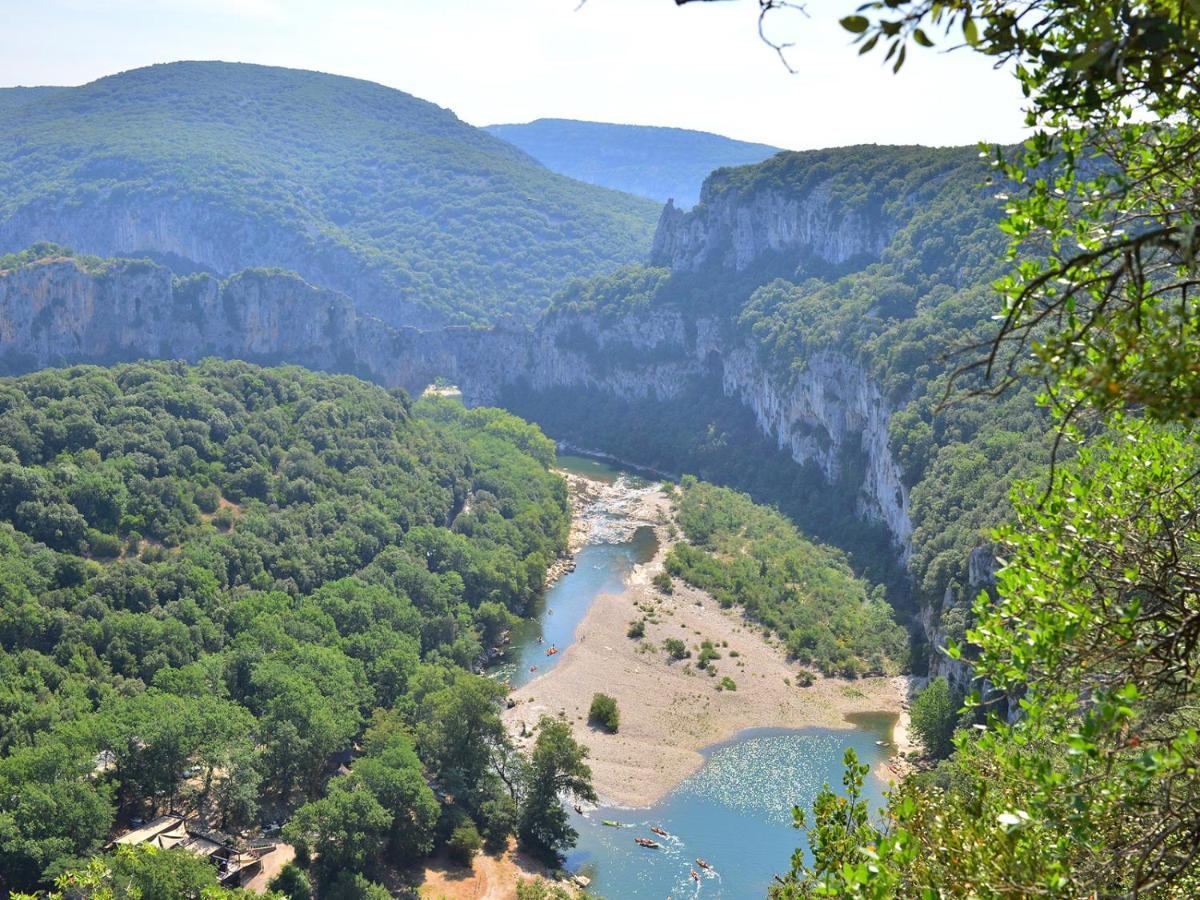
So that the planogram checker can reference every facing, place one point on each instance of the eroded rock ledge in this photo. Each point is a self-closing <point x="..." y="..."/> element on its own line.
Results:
<point x="56" y="312"/>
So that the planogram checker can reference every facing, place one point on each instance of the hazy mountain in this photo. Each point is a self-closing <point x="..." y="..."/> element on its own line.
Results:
<point x="15" y="97"/>
<point x="419" y="217"/>
<point x="661" y="163"/>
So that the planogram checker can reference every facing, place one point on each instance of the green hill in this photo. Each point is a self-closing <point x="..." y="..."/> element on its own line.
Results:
<point x="16" y="97"/>
<point x="420" y="217"/>
<point x="238" y="569"/>
<point x="661" y="163"/>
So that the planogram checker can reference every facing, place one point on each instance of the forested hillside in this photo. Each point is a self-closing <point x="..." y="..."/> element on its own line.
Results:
<point x="213" y="580"/>
<point x="864" y="266"/>
<point x="752" y="557"/>
<point x="419" y="217"/>
<point x="14" y="97"/>
<point x="660" y="163"/>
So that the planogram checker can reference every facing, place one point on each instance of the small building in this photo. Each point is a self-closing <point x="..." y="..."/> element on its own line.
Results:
<point x="178" y="833"/>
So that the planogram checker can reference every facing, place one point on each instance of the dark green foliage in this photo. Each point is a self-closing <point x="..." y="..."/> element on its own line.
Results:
<point x="676" y="649"/>
<point x="636" y="629"/>
<point x="464" y="843"/>
<point x="356" y="186"/>
<point x="934" y="717"/>
<point x="145" y="873"/>
<point x="498" y="817"/>
<point x="708" y="653"/>
<point x="663" y="582"/>
<point x="604" y="712"/>
<point x="292" y="883"/>
<point x="557" y="770"/>
<point x="351" y="886"/>
<point x="362" y="564"/>
<point x="662" y="163"/>
<point x="752" y="557"/>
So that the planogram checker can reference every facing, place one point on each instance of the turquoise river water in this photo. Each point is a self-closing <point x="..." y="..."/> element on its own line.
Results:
<point x="735" y="812"/>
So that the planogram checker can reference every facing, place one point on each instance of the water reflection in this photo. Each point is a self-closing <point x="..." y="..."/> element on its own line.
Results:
<point x="735" y="813"/>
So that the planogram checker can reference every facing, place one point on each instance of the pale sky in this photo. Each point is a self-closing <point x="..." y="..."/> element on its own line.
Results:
<point x="637" y="61"/>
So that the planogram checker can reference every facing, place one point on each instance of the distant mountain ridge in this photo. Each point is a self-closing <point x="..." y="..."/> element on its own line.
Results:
<point x="650" y="161"/>
<point x="209" y="166"/>
<point x="15" y="97"/>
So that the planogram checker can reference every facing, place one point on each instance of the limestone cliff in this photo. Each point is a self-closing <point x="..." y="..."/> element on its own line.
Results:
<point x="735" y="227"/>
<point x="57" y="312"/>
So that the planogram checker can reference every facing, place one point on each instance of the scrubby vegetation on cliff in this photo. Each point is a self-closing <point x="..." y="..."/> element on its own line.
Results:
<point x="358" y="187"/>
<point x="217" y="581"/>
<point x="898" y="317"/>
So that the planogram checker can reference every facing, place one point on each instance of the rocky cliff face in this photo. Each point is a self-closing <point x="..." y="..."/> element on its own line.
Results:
<point x="56" y="312"/>
<point x="732" y="229"/>
<point x="188" y="233"/>
<point x="831" y="408"/>
<point x="949" y="623"/>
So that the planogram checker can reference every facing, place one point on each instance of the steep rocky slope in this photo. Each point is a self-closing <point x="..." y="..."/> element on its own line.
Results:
<point x="59" y="310"/>
<point x="885" y="256"/>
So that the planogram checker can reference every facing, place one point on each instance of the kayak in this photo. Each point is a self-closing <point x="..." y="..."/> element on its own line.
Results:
<point x="610" y="823"/>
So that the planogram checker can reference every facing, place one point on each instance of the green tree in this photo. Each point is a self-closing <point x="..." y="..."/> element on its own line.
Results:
<point x="345" y="830"/>
<point x="142" y="873"/>
<point x="459" y="724"/>
<point x="464" y="842"/>
<point x="50" y="811"/>
<point x="394" y="776"/>
<point x="841" y="840"/>
<point x="292" y="883"/>
<point x="235" y="784"/>
<point x="557" y="769"/>
<point x="350" y="886"/>
<point x="603" y="712"/>
<point x="934" y="717"/>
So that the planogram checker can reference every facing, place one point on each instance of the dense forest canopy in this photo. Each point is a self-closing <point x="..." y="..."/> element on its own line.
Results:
<point x="752" y="557"/>
<point x="213" y="579"/>
<point x="361" y="188"/>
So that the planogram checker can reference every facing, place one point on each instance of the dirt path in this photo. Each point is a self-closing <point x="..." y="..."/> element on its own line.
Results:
<point x="489" y="878"/>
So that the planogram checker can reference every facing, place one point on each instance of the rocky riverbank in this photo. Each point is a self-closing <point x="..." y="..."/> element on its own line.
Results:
<point x="671" y="709"/>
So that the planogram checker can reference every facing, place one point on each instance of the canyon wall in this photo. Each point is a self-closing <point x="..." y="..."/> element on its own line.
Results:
<point x="733" y="229"/>
<point x="57" y="312"/>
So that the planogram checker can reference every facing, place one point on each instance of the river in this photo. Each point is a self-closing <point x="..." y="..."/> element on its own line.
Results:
<point x="735" y="811"/>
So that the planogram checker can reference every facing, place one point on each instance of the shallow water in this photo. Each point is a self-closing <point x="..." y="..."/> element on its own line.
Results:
<point x="735" y="813"/>
<point x="596" y="469"/>
<point x="736" y="810"/>
<point x="599" y="569"/>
